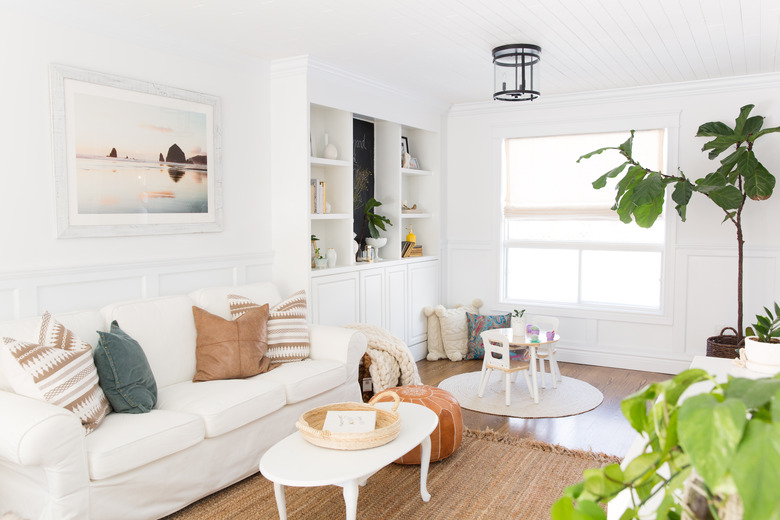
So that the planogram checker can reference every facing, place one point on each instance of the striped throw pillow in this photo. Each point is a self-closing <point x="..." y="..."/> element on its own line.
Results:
<point x="58" y="369"/>
<point x="288" y="332"/>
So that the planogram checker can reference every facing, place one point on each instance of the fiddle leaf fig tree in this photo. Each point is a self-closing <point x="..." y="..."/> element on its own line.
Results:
<point x="739" y="176"/>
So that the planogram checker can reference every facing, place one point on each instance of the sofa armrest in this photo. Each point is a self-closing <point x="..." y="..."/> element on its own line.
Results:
<point x="40" y="435"/>
<point x="346" y="346"/>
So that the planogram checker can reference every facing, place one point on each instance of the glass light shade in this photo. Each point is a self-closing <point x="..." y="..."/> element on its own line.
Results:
<point x="516" y="72"/>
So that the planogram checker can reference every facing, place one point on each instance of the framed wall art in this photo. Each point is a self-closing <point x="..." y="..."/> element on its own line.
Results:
<point x="133" y="158"/>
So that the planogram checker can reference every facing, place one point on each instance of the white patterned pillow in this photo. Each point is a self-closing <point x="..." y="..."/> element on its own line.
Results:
<point x="435" y="345"/>
<point x="288" y="332"/>
<point x="455" y="328"/>
<point x="58" y="369"/>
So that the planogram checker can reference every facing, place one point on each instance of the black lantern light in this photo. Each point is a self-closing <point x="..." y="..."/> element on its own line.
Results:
<point x="516" y="75"/>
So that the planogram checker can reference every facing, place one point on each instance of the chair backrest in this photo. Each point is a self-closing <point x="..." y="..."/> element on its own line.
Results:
<point x="543" y="322"/>
<point x="496" y="349"/>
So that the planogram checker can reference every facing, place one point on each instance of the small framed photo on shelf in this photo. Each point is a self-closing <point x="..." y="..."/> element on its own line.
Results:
<point x="413" y="164"/>
<point x="404" y="146"/>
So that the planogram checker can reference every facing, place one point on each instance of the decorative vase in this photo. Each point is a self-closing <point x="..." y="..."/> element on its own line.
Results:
<point x="330" y="150"/>
<point x="377" y="243"/>
<point x="355" y="245"/>
<point x="331" y="254"/>
<point x="320" y="263"/>
<point x="761" y="356"/>
<point x="518" y="326"/>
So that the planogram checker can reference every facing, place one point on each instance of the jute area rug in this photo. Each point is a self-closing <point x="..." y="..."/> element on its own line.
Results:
<point x="572" y="396"/>
<point x="490" y="477"/>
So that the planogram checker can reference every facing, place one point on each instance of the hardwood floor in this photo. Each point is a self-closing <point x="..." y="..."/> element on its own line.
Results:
<point x="602" y="429"/>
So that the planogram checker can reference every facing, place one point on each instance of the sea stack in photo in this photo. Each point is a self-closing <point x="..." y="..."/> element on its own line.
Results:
<point x="175" y="154"/>
<point x="197" y="159"/>
<point x="162" y="159"/>
<point x="113" y="153"/>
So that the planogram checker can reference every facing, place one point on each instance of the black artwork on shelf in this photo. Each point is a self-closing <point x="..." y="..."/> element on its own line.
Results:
<point x="362" y="170"/>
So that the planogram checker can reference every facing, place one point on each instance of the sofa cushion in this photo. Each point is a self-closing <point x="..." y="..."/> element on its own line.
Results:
<point x="228" y="349"/>
<point x="57" y="369"/>
<point x="308" y="378"/>
<point x="288" y="332"/>
<point x="165" y="329"/>
<point x="227" y="404"/>
<point x="125" y="375"/>
<point x="125" y="442"/>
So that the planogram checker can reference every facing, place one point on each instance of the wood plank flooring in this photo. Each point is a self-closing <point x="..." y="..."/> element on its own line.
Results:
<point x="602" y="429"/>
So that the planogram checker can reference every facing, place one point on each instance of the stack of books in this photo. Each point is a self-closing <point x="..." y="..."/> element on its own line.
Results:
<point x="410" y="249"/>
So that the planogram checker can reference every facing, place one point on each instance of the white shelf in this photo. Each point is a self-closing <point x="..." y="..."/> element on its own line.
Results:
<point x="330" y="216"/>
<point x="320" y="161"/>
<point x="416" y="215"/>
<point x="415" y="171"/>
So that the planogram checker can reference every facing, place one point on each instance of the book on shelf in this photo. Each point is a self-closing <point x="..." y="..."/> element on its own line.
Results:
<point x="416" y="251"/>
<point x="319" y="196"/>
<point x="406" y="249"/>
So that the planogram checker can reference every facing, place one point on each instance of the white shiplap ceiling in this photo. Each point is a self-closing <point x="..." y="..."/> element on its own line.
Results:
<point x="442" y="48"/>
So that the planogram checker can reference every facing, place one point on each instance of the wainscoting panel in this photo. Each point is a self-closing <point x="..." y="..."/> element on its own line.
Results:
<point x="30" y="293"/>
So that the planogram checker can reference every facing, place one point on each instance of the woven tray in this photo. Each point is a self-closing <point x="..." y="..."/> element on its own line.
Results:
<point x="388" y="426"/>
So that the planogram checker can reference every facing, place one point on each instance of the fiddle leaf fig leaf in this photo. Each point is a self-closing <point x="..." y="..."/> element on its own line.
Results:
<point x="728" y="164"/>
<point x="597" y="152"/>
<point x="759" y="183"/>
<point x="739" y="126"/>
<point x="602" y="181"/>
<point x="720" y="144"/>
<point x="711" y="182"/>
<point x="714" y="129"/>
<point x="764" y="132"/>
<point x="647" y="214"/>
<point x="710" y="433"/>
<point x="627" y="147"/>
<point x="754" y="470"/>
<point x="682" y="193"/>
<point x="752" y="125"/>
<point x="727" y="197"/>
<point x="648" y="190"/>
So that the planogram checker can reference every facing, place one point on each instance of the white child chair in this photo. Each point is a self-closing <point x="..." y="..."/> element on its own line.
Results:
<point x="497" y="358"/>
<point x="546" y="352"/>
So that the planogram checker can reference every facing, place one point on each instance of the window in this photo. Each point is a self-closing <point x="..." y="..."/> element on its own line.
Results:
<point x="562" y="244"/>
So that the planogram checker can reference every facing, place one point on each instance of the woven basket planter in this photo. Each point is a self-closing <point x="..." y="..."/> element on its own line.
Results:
<point x="388" y="426"/>
<point x="724" y="346"/>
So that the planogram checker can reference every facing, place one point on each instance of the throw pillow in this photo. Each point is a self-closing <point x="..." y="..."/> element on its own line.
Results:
<point x="125" y="374"/>
<point x="477" y="324"/>
<point x="288" y="332"/>
<point x="454" y="328"/>
<point x="230" y="349"/>
<point x="435" y="345"/>
<point x="58" y="370"/>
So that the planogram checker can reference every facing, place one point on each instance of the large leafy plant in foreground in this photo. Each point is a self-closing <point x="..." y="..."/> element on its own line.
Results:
<point x="739" y="176"/>
<point x="730" y="436"/>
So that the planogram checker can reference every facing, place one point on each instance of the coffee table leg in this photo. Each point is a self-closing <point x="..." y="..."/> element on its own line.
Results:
<point x="425" y="461"/>
<point x="350" y="498"/>
<point x="281" y="503"/>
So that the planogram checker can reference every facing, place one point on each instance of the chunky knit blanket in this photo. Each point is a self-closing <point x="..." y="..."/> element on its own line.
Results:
<point x="392" y="363"/>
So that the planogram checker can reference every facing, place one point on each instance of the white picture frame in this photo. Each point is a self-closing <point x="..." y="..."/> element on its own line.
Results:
<point x="118" y="166"/>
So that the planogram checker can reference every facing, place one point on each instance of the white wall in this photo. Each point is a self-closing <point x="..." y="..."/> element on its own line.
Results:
<point x="703" y="284"/>
<point x="33" y="35"/>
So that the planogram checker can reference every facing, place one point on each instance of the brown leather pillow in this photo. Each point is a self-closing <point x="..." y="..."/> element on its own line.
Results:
<point x="230" y="349"/>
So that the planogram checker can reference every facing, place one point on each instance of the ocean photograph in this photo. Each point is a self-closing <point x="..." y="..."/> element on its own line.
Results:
<point x="136" y="158"/>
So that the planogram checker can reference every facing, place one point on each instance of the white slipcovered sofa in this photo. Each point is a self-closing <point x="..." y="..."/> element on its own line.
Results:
<point x="199" y="438"/>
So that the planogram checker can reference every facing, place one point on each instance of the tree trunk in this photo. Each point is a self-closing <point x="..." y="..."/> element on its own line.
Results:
<point x="740" y="261"/>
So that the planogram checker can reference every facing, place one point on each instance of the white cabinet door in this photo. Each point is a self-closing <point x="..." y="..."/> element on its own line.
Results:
<point x="372" y="297"/>
<point x="423" y="285"/>
<point x="396" y="322"/>
<point x="335" y="299"/>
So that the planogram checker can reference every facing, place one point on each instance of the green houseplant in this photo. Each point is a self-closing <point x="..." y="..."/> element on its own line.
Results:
<point x="372" y="221"/>
<point x="714" y="454"/>
<point x="738" y="177"/>
<point x="762" y="346"/>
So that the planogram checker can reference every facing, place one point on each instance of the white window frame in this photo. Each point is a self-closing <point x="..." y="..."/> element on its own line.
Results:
<point x="670" y="122"/>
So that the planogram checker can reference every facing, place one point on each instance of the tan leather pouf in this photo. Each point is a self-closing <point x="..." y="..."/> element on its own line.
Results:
<point x="448" y="434"/>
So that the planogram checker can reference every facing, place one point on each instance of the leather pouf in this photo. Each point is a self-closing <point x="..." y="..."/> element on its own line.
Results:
<point x="447" y="436"/>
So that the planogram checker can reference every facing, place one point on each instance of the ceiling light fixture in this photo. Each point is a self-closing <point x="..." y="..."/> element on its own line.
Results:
<point x="516" y="74"/>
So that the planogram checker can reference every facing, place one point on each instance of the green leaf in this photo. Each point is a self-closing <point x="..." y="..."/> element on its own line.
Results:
<point x="759" y="183"/>
<point x="603" y="482"/>
<point x="562" y="509"/>
<point x="602" y="181"/>
<point x="755" y="470"/>
<point x="642" y="468"/>
<point x="596" y="152"/>
<point x="682" y="195"/>
<point x="775" y="406"/>
<point x="755" y="393"/>
<point x="727" y="165"/>
<point x="635" y="410"/>
<point x="710" y="433"/>
<point x="765" y="131"/>
<point x="710" y="182"/>
<point x="682" y="381"/>
<point x="627" y="147"/>
<point x="648" y="190"/>
<point x="752" y="125"/>
<point x="589" y="510"/>
<point x="646" y="215"/>
<point x="625" y="207"/>
<point x="714" y="129"/>
<point x="720" y="144"/>
<point x="740" y="123"/>
<point x="727" y="197"/>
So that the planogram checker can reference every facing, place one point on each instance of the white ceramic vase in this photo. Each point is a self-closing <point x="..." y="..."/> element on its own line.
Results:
<point x="377" y="243"/>
<point x="331" y="255"/>
<point x="330" y="151"/>
<point x="518" y="326"/>
<point x="762" y="357"/>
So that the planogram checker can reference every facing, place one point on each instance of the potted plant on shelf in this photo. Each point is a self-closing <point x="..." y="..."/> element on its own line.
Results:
<point x="762" y="346"/>
<point x="374" y="223"/>
<point x="711" y="455"/>
<point x="314" y="240"/>
<point x="319" y="261"/>
<point x="640" y="191"/>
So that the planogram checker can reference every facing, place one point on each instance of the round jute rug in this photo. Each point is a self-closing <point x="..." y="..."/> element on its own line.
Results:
<point x="572" y="396"/>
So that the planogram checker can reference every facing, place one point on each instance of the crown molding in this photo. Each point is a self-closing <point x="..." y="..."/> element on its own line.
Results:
<point x="688" y="88"/>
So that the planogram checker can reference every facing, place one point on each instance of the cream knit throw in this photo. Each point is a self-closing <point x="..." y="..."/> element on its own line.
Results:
<point x="391" y="359"/>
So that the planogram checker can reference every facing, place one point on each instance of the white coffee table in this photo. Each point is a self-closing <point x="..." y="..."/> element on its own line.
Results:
<point x="295" y="462"/>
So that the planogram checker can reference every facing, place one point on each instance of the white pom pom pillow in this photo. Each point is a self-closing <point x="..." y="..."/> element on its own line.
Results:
<point x="454" y="329"/>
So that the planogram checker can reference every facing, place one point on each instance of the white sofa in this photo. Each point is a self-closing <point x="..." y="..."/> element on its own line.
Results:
<point x="200" y="437"/>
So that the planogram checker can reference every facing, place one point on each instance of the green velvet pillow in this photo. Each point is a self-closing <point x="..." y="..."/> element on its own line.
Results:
<point x="124" y="372"/>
